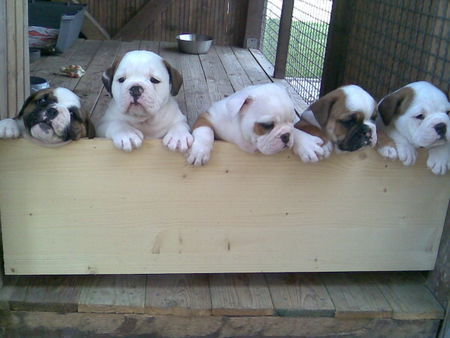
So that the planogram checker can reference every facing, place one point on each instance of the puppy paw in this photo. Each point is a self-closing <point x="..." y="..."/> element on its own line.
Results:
<point x="199" y="154"/>
<point x="9" y="129"/>
<point x="388" y="152"/>
<point x="407" y="154"/>
<point x="439" y="160"/>
<point x="128" y="139"/>
<point x="310" y="148"/>
<point x="327" y="149"/>
<point x="178" y="140"/>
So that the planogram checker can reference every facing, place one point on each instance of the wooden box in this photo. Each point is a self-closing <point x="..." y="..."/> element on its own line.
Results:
<point x="87" y="208"/>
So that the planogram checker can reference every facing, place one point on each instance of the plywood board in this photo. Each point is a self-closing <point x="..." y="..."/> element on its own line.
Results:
<point x="89" y="208"/>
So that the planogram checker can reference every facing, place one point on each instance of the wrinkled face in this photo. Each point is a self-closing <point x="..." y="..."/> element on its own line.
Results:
<point x="54" y="116"/>
<point x="347" y="115"/>
<point x="268" y="121"/>
<point x="141" y="83"/>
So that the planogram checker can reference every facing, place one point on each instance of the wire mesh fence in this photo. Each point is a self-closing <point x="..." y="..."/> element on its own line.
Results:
<point x="392" y="43"/>
<point x="307" y="43"/>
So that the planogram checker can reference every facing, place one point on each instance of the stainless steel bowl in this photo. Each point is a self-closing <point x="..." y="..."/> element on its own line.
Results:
<point x="194" y="43"/>
<point x="38" y="83"/>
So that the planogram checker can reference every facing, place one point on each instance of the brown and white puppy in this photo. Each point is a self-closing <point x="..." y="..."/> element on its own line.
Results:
<point x="343" y="118"/>
<point x="142" y="85"/>
<point x="416" y="116"/>
<point x="257" y="118"/>
<point x="50" y="116"/>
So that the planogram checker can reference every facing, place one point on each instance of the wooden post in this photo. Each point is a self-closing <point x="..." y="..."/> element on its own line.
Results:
<point x="255" y="14"/>
<point x="337" y="43"/>
<point x="284" y="35"/>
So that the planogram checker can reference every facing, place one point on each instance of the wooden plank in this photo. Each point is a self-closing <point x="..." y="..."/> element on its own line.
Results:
<point x="26" y="54"/>
<point x="178" y="295"/>
<point x="90" y="85"/>
<point x="113" y="294"/>
<point x="3" y="61"/>
<point x="284" y="35"/>
<point x="296" y="295"/>
<point x="20" y="52"/>
<point x="240" y="295"/>
<point x="409" y="297"/>
<point x="148" y="13"/>
<point x="237" y="75"/>
<point x="287" y="218"/>
<point x="251" y="66"/>
<point x="11" y="58"/>
<point x="356" y="296"/>
<point x="7" y="290"/>
<point x="152" y="46"/>
<point x="55" y="294"/>
<point x="253" y="27"/>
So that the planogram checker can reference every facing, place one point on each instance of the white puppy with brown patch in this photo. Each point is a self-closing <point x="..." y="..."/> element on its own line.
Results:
<point x="258" y="118"/>
<point x="142" y="86"/>
<point x="343" y="119"/>
<point x="416" y="116"/>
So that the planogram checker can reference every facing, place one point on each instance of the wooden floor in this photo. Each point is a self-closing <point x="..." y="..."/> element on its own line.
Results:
<point x="380" y="300"/>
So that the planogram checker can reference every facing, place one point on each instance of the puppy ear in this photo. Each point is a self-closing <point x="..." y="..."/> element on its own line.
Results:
<point x="394" y="104"/>
<point x="322" y="107"/>
<point x="25" y="104"/>
<point x="108" y="76"/>
<point x="175" y="77"/>
<point x="237" y="103"/>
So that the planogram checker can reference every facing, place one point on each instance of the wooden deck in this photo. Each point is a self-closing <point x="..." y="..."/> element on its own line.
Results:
<point x="292" y="304"/>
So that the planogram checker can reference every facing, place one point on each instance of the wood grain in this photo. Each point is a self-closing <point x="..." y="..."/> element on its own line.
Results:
<point x="241" y="213"/>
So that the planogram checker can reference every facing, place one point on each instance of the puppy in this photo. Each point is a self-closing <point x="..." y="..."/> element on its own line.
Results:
<point x="50" y="116"/>
<point x="416" y="116"/>
<point x="142" y="86"/>
<point x="343" y="118"/>
<point x="256" y="118"/>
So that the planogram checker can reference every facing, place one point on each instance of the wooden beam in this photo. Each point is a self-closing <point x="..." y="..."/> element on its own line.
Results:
<point x="253" y="27"/>
<point x="284" y="35"/>
<point x="140" y="21"/>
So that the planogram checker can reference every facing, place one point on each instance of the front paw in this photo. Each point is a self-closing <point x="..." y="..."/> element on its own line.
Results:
<point x="388" y="152"/>
<point x="438" y="162"/>
<point x="9" y="129"/>
<point x="178" y="140"/>
<point x="199" y="154"/>
<point x="407" y="154"/>
<point x="310" y="148"/>
<point x="128" y="139"/>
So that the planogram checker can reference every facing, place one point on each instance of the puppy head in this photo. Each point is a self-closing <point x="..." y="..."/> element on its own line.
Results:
<point x="347" y="116"/>
<point x="418" y="111"/>
<point x="54" y="116"/>
<point x="266" y="115"/>
<point x="141" y="83"/>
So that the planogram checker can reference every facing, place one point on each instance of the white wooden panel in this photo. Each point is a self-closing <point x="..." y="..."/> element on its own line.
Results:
<point x="89" y="208"/>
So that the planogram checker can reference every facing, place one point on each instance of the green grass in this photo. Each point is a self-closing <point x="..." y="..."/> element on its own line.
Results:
<point x="306" y="47"/>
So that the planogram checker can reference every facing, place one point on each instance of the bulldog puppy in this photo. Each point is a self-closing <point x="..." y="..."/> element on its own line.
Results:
<point x="343" y="118"/>
<point x="416" y="116"/>
<point x="51" y="116"/>
<point x="142" y="86"/>
<point x="256" y="118"/>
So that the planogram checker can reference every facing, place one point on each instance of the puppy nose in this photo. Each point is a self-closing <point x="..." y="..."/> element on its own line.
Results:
<point x="51" y="113"/>
<point x="285" y="137"/>
<point x="136" y="91"/>
<point x="440" y="128"/>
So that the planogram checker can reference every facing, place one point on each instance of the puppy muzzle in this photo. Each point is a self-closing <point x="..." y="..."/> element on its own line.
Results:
<point x="358" y="137"/>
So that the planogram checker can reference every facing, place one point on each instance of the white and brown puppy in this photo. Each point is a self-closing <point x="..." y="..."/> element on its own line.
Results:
<point x="142" y="86"/>
<point x="343" y="119"/>
<point x="416" y="116"/>
<point x="258" y="118"/>
<point x="50" y="116"/>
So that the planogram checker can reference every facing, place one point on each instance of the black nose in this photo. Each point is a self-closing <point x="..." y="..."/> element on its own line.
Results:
<point x="440" y="128"/>
<point x="51" y="113"/>
<point x="136" y="91"/>
<point x="285" y="137"/>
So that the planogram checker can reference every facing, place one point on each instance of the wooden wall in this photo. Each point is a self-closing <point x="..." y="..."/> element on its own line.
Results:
<point x="14" y="64"/>
<point x="223" y="19"/>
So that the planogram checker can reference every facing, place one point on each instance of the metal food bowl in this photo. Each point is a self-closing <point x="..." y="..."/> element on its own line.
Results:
<point x="194" y="43"/>
<point x="38" y="83"/>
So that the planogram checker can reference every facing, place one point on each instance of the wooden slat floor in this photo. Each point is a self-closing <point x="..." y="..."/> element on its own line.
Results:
<point x="207" y="78"/>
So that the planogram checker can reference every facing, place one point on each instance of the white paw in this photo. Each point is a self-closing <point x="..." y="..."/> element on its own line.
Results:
<point x="310" y="148"/>
<point x="128" y="139"/>
<point x="178" y="140"/>
<point x="407" y="154"/>
<point x="388" y="152"/>
<point x="9" y="129"/>
<point x="199" y="154"/>
<point x="327" y="149"/>
<point x="438" y="161"/>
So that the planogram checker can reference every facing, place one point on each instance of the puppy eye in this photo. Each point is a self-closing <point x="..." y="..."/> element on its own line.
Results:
<point x="267" y="125"/>
<point x="121" y="80"/>
<point x="420" y="117"/>
<point x="42" y="101"/>
<point x="153" y="80"/>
